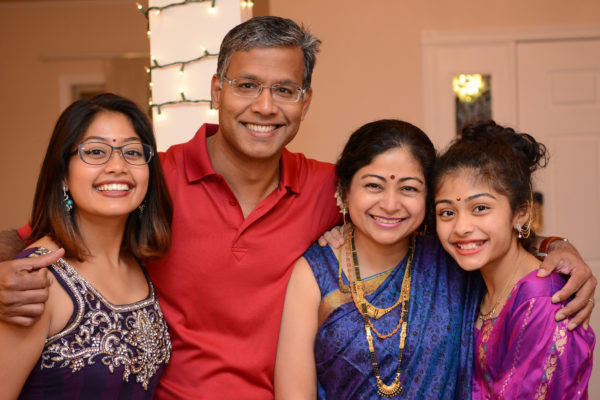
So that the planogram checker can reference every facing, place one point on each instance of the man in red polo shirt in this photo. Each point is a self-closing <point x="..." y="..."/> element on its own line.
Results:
<point x="245" y="210"/>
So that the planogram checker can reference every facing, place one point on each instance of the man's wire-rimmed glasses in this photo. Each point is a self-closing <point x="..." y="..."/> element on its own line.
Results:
<point x="285" y="92"/>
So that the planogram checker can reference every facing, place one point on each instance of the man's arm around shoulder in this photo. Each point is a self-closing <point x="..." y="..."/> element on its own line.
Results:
<point x="24" y="282"/>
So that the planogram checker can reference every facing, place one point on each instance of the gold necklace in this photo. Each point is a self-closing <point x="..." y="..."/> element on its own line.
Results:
<point x="489" y="315"/>
<point x="343" y="287"/>
<point x="395" y="387"/>
<point x="372" y="311"/>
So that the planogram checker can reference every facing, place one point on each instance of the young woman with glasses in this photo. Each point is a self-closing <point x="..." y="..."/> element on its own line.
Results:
<point x="101" y="197"/>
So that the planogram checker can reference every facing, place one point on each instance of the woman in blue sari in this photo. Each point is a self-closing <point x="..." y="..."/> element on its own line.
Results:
<point x="389" y="314"/>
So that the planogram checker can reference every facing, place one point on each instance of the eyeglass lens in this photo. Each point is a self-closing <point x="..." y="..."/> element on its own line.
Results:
<point x="280" y="91"/>
<point x="97" y="153"/>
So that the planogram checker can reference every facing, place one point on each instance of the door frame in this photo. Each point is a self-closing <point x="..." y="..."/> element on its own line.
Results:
<point x="448" y="53"/>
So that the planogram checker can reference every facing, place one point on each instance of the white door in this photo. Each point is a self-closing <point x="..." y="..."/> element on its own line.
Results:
<point x="558" y="90"/>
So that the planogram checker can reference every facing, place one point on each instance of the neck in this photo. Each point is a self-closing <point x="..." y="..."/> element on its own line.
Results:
<point x="102" y="237"/>
<point x="251" y="180"/>
<point x="375" y="257"/>
<point x="501" y="275"/>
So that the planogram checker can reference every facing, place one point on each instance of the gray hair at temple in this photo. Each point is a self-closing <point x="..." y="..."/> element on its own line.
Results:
<point x="269" y="31"/>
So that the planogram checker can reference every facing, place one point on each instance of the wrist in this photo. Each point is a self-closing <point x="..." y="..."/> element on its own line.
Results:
<point x="548" y="244"/>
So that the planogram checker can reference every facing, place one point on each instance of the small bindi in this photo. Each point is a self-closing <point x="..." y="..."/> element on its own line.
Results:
<point x="114" y="140"/>
<point x="392" y="177"/>
<point x="458" y="198"/>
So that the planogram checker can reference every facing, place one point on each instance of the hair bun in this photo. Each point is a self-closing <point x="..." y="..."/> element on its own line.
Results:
<point x="523" y="145"/>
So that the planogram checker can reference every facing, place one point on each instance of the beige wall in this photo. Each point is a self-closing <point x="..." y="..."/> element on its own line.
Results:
<point x="370" y="61"/>
<point x="39" y="42"/>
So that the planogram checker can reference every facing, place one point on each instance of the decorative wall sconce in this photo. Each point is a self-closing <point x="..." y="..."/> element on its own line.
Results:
<point x="468" y="87"/>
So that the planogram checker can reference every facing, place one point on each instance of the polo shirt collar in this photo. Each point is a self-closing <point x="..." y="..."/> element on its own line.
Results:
<point x="198" y="166"/>
<point x="289" y="169"/>
<point x="196" y="159"/>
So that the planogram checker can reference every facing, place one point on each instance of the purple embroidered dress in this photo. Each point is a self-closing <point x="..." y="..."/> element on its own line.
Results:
<point x="105" y="351"/>
<point x="525" y="354"/>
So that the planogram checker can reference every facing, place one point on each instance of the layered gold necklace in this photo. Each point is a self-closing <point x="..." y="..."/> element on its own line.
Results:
<point x="367" y="310"/>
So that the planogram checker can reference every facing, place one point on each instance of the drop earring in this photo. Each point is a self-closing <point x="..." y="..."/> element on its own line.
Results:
<point x="518" y="229"/>
<point x="68" y="203"/>
<point x="342" y="206"/>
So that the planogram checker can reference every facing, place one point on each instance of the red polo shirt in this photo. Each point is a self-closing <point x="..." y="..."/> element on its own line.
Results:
<point x="222" y="285"/>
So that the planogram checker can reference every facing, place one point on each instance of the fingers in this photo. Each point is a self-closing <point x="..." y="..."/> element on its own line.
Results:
<point x="586" y="323"/>
<point x="11" y="302"/>
<point x="545" y="270"/>
<point x="570" y="288"/>
<point x="20" y="281"/>
<point x="582" y="316"/>
<point x="23" y="308"/>
<point x="333" y="237"/>
<point x="24" y="288"/>
<point x="322" y="241"/>
<point x="22" y="321"/>
<point x="35" y="263"/>
<point x="582" y="304"/>
<point x="559" y="261"/>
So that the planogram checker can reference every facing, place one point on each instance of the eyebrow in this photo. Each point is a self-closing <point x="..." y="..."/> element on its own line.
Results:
<point x="472" y="197"/>
<point x="104" y="139"/>
<point x="404" y="179"/>
<point x="255" y="78"/>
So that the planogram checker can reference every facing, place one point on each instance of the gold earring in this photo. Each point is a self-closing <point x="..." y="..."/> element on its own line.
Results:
<point x="342" y="205"/>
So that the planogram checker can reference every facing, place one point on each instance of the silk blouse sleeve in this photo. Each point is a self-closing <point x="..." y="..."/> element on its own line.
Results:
<point x="543" y="359"/>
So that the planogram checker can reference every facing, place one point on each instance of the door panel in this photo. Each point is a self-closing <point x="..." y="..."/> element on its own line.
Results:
<point x="558" y="86"/>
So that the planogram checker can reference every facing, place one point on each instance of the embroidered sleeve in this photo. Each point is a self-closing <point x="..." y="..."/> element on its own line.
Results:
<point x="542" y="359"/>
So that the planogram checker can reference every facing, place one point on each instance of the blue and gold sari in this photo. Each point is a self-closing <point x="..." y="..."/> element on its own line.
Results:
<point x="438" y="355"/>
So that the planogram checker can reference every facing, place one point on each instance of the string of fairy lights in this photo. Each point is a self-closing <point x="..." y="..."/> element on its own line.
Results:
<point x="155" y="64"/>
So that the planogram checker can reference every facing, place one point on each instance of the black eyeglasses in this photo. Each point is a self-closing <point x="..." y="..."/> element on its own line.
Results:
<point x="98" y="153"/>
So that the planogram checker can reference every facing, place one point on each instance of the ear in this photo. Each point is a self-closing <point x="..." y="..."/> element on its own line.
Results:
<point x="215" y="91"/>
<point x="306" y="103"/>
<point x="521" y="215"/>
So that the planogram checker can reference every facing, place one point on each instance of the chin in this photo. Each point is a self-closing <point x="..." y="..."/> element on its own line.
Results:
<point x="468" y="265"/>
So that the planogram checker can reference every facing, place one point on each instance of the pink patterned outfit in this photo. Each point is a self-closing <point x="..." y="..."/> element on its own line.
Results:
<point x="525" y="354"/>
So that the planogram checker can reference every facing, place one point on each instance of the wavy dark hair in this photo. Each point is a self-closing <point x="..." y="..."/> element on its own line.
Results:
<point x="499" y="157"/>
<point x="147" y="235"/>
<point x="377" y="137"/>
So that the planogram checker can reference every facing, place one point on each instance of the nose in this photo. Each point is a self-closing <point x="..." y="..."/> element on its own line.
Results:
<point x="390" y="202"/>
<point x="116" y="162"/>
<point x="463" y="225"/>
<point x="264" y="103"/>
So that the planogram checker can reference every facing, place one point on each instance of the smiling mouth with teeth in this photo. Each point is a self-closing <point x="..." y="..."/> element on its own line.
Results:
<point x="386" y="220"/>
<point x="469" y="246"/>
<point x="261" y="128"/>
<point x="113" y="187"/>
